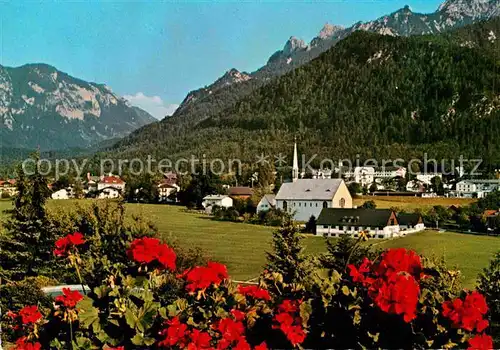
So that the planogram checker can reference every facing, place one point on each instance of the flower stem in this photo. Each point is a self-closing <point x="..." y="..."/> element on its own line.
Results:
<point x="75" y="263"/>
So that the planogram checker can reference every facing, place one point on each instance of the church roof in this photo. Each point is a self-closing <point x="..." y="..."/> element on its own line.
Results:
<point x="309" y="189"/>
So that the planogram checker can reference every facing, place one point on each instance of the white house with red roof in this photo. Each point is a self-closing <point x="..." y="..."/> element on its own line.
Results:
<point x="108" y="186"/>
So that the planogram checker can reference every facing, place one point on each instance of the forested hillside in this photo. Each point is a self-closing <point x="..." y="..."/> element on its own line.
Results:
<point x="374" y="95"/>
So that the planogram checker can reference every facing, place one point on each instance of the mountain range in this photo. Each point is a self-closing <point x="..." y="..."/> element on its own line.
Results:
<point x="43" y="107"/>
<point x="209" y="111"/>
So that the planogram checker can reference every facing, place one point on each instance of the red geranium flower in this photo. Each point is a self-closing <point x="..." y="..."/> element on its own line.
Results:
<point x="175" y="334"/>
<point x="230" y="329"/>
<point x="201" y="277"/>
<point x="242" y="344"/>
<point x="30" y="314"/>
<point x="399" y="296"/>
<point x="21" y="344"/>
<point x="261" y="346"/>
<point x="199" y="340"/>
<point x="64" y="244"/>
<point x="238" y="315"/>
<point x="69" y="298"/>
<point x="289" y="322"/>
<point x="400" y="260"/>
<point x="467" y="314"/>
<point x="481" y="342"/>
<point x="255" y="292"/>
<point x="146" y="250"/>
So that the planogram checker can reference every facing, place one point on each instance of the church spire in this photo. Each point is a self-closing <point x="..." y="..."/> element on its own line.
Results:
<point x="295" y="168"/>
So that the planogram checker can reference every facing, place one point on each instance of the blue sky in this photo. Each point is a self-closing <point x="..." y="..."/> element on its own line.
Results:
<point x="156" y="52"/>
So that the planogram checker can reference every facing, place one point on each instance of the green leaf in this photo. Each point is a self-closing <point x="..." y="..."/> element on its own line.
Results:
<point x="374" y="336"/>
<point x="88" y="314"/>
<point x="130" y="318"/>
<point x="305" y="312"/>
<point x="163" y="312"/>
<point x="138" y="339"/>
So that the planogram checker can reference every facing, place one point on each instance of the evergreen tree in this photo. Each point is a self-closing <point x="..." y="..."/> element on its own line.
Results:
<point x="343" y="252"/>
<point x="26" y="245"/>
<point x="287" y="256"/>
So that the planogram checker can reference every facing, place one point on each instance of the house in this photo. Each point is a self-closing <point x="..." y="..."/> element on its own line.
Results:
<point x="306" y="197"/>
<point x="109" y="192"/>
<point x="415" y="186"/>
<point x="475" y="188"/>
<point x="367" y="175"/>
<point x="112" y="181"/>
<point x="377" y="223"/>
<point x="8" y="188"/>
<point x="240" y="192"/>
<point x="491" y="220"/>
<point x="426" y="178"/>
<point x="64" y="193"/>
<point x="167" y="189"/>
<point x="220" y="200"/>
<point x="267" y="202"/>
<point x="410" y="222"/>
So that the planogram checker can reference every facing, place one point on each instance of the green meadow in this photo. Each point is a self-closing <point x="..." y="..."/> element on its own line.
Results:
<point x="243" y="247"/>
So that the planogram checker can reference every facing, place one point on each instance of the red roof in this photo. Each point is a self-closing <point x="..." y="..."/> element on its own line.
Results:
<point x="112" y="180"/>
<point x="240" y="191"/>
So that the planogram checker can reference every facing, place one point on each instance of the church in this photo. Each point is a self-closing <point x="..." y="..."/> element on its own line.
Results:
<point x="307" y="197"/>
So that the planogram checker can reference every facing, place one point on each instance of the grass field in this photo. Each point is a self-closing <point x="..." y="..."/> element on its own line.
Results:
<point x="243" y="247"/>
<point x="411" y="203"/>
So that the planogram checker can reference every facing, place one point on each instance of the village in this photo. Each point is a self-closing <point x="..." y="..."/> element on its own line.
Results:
<point x="321" y="201"/>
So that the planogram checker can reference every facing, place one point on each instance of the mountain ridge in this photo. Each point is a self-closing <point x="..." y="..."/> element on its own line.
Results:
<point x="41" y="106"/>
<point x="392" y="97"/>
<point x="213" y="98"/>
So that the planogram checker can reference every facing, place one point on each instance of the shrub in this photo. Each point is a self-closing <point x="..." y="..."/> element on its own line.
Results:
<point x="15" y="295"/>
<point x="489" y="286"/>
<point x="393" y="301"/>
<point x="369" y="205"/>
<point x="107" y="235"/>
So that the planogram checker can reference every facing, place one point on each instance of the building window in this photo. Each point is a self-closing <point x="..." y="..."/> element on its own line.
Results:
<point x="325" y="204"/>
<point x="342" y="202"/>
<point x="316" y="204"/>
<point x="310" y="204"/>
<point x="299" y="204"/>
<point x="325" y="226"/>
<point x="285" y="205"/>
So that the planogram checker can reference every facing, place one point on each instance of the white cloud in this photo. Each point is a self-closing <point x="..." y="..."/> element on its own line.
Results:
<point x="154" y="105"/>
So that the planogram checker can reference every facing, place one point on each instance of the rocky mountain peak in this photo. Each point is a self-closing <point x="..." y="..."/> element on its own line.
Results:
<point x="233" y="76"/>
<point x="459" y="9"/>
<point x="329" y="30"/>
<point x="38" y="101"/>
<point x="294" y="44"/>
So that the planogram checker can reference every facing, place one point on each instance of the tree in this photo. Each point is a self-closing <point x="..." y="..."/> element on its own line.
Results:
<point x="344" y="251"/>
<point x="437" y="185"/>
<point x="267" y="175"/>
<point x="78" y="189"/>
<point x="369" y="205"/>
<point x="311" y="225"/>
<point x="26" y="245"/>
<point x="287" y="256"/>
<point x="354" y="188"/>
<point x="373" y="187"/>
<point x="200" y="186"/>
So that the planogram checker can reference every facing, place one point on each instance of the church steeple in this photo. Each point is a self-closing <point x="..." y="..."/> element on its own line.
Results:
<point x="295" y="168"/>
